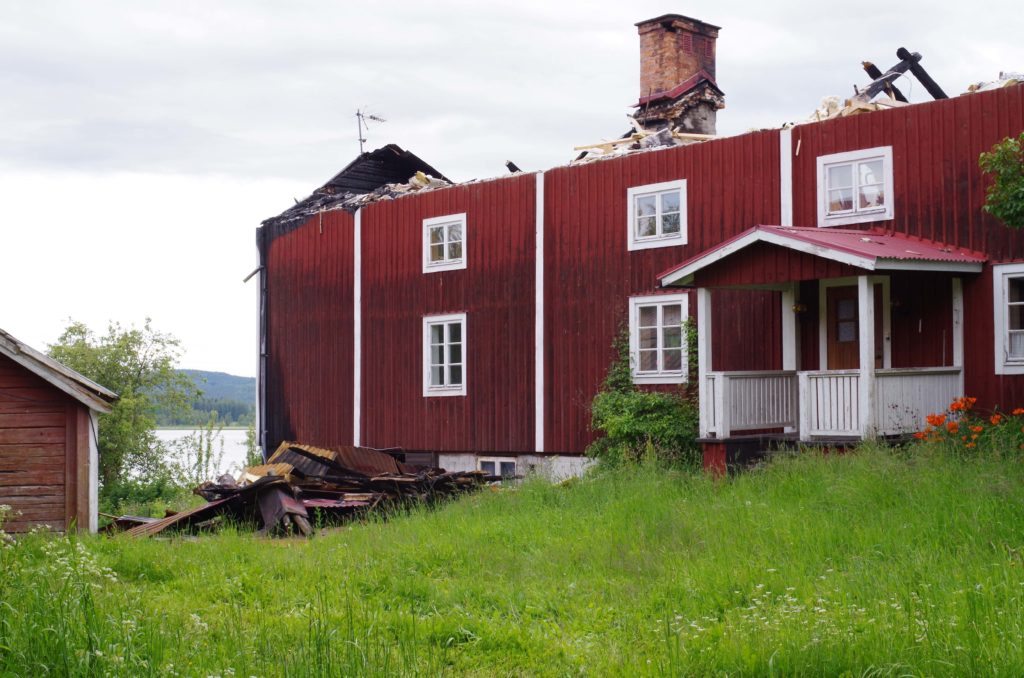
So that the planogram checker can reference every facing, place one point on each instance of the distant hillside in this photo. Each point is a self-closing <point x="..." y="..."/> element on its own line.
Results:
<point x="220" y="385"/>
<point x="232" y="397"/>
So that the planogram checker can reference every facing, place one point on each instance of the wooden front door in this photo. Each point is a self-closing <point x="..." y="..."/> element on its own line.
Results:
<point x="842" y="327"/>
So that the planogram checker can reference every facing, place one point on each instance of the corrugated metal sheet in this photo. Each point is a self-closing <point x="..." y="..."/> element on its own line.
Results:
<point x="496" y="292"/>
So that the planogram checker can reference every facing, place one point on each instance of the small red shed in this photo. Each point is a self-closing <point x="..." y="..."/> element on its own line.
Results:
<point x="48" y="447"/>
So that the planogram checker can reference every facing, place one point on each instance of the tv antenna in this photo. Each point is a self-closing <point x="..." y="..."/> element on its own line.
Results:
<point x="361" y="119"/>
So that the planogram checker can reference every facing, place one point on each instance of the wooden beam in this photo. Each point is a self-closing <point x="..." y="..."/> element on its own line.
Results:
<point x="885" y="81"/>
<point x="918" y="70"/>
<point x="875" y="74"/>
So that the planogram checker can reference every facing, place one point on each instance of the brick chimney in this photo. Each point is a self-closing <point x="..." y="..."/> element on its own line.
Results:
<point x="677" y="74"/>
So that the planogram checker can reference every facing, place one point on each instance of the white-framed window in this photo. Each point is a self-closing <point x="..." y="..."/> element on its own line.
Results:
<point x="657" y="342"/>
<point x="444" y="243"/>
<point x="444" y="355"/>
<point x="1008" y="295"/>
<point x="657" y="215"/>
<point x="855" y="187"/>
<point x="497" y="466"/>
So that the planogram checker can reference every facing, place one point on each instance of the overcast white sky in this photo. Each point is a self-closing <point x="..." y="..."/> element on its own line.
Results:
<point x="141" y="143"/>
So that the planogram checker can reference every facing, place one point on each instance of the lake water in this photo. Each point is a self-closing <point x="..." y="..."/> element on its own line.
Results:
<point x="233" y="440"/>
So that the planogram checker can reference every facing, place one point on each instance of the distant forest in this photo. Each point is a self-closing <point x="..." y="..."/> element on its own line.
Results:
<point x="232" y="397"/>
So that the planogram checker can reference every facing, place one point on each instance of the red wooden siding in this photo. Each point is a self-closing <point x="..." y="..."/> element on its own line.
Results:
<point x="495" y="290"/>
<point x="309" y="328"/>
<point x="40" y="451"/>
<point x="732" y="184"/>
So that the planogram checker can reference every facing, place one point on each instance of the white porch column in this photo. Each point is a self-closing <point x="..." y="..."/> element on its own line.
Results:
<point x="703" y="355"/>
<point x="958" y="331"/>
<point x="866" y="327"/>
<point x="790" y="338"/>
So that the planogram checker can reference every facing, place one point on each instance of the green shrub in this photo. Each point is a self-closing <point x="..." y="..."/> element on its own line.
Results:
<point x="1005" y="198"/>
<point x="654" y="425"/>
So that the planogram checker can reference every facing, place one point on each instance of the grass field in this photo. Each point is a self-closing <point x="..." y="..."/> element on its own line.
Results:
<point x="864" y="564"/>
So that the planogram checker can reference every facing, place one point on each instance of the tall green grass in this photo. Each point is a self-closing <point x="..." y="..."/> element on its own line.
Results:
<point x="865" y="564"/>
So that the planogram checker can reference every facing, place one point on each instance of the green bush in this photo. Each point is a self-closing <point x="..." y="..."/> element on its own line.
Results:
<point x="1005" y="198"/>
<point x="645" y="425"/>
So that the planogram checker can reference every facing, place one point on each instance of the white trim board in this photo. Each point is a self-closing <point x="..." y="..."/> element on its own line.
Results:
<point x="357" y="327"/>
<point x="538" y="317"/>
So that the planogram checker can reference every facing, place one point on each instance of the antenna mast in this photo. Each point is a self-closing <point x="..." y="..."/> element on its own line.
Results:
<point x="361" y="119"/>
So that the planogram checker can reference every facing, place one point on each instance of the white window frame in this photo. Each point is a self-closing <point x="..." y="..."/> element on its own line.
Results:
<point x="856" y="215"/>
<point x="447" y="264"/>
<point x="635" y="242"/>
<point x="498" y="461"/>
<point x="1001" y="275"/>
<point x="662" y="376"/>
<point x="429" y="321"/>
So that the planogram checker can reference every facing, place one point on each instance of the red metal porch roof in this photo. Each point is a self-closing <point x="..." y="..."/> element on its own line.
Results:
<point x="872" y="250"/>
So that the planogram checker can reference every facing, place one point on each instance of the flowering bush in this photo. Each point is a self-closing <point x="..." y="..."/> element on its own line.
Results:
<point x="965" y="432"/>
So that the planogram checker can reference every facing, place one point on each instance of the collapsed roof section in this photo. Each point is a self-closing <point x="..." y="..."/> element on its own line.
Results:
<point x="368" y="173"/>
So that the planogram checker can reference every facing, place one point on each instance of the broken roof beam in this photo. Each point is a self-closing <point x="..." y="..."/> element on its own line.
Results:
<point x="884" y="82"/>
<point x="918" y="70"/>
<point x="875" y="74"/>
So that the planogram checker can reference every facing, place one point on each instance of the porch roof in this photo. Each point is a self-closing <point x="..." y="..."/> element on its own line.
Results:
<point x="870" y="250"/>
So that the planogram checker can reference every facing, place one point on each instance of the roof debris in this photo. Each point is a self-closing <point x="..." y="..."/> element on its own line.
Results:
<point x="639" y="139"/>
<point x="1006" y="79"/>
<point x="335" y="485"/>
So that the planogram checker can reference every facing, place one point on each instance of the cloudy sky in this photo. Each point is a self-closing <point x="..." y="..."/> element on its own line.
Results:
<point x="141" y="143"/>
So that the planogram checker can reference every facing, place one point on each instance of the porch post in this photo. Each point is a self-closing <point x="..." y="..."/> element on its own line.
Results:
<point x="790" y="338"/>
<point x="958" y="332"/>
<point x="866" y="328"/>
<point x="703" y="355"/>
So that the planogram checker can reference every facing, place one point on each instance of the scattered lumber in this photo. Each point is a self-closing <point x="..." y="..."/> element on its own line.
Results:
<point x="302" y="486"/>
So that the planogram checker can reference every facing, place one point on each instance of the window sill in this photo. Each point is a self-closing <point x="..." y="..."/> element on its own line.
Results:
<point x="446" y="266"/>
<point x="669" y="378"/>
<point x="444" y="392"/>
<point x="652" y="243"/>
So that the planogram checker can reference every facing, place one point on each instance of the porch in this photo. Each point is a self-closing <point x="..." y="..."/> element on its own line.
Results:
<point x="852" y="368"/>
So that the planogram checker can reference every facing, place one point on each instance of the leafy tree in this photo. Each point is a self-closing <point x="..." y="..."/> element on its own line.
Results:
<point x="139" y="365"/>
<point x="1005" y="199"/>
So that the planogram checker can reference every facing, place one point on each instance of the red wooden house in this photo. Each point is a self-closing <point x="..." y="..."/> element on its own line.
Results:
<point x="48" y="427"/>
<point x="843" y="275"/>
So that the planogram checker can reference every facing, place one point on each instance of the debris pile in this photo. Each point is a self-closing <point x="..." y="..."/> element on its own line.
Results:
<point x="1005" y="79"/>
<point x="301" y="486"/>
<point x="640" y="138"/>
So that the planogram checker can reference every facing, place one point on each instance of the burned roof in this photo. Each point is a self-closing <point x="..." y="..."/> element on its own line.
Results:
<point x="368" y="172"/>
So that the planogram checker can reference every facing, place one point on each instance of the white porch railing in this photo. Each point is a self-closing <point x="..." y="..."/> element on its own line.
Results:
<point x="906" y="396"/>
<point x="745" y="401"/>
<point x="829" y="403"/>
<point x="824" y="403"/>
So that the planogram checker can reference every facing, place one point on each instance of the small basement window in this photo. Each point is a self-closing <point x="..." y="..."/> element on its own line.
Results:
<point x="444" y="357"/>
<point x="855" y="187"/>
<point x="1008" y="293"/>
<point x="656" y="342"/>
<point x="657" y="215"/>
<point x="444" y="243"/>
<point x="498" y="466"/>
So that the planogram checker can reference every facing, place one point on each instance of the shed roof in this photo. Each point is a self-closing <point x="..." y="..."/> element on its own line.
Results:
<point x="62" y="377"/>
<point x="872" y="250"/>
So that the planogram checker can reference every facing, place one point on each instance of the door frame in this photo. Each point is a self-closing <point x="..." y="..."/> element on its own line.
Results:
<point x="823" y="286"/>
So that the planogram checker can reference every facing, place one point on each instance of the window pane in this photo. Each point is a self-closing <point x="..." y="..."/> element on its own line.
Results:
<point x="436" y="235"/>
<point x="646" y="227"/>
<point x="455" y="332"/>
<point x="673" y="337"/>
<point x="673" y="360"/>
<point x="670" y="202"/>
<point x="648" y="361"/>
<point x="870" y="172"/>
<point x="1016" y="290"/>
<point x="487" y="467"/>
<point x="437" y="376"/>
<point x="454" y="232"/>
<point x="872" y="197"/>
<point x="648" y="316"/>
<point x="646" y="205"/>
<point x="437" y="252"/>
<point x="1015" y="321"/>
<point x="455" y="375"/>
<point x="455" y="250"/>
<point x="1017" y="344"/>
<point x="670" y="223"/>
<point x="508" y="468"/>
<point x="455" y="353"/>
<point x="841" y="200"/>
<point x="437" y="334"/>
<point x="649" y="338"/>
<point x="840" y="176"/>
<point x="436" y="354"/>
<point x="672" y="314"/>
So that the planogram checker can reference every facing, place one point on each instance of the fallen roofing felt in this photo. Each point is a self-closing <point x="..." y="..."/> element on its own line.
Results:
<point x="334" y="485"/>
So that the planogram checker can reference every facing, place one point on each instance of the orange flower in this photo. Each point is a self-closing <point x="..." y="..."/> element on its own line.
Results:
<point x="956" y="406"/>
<point x="974" y="437"/>
<point x="1018" y="411"/>
<point x="936" y="419"/>
<point x="920" y="435"/>
<point x="963" y="437"/>
<point x="969" y="402"/>
<point x="969" y="445"/>
<point x="977" y="429"/>
<point x="995" y="419"/>
<point x="952" y="427"/>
